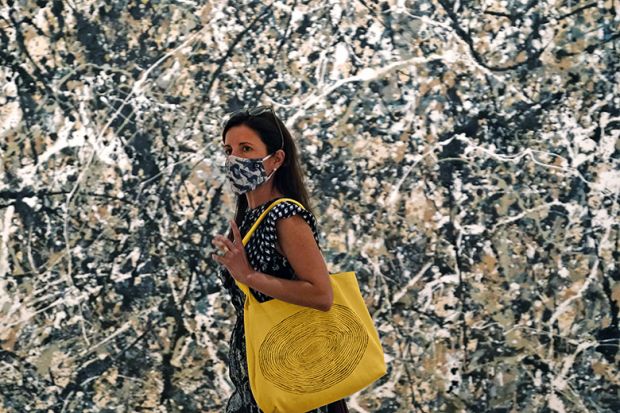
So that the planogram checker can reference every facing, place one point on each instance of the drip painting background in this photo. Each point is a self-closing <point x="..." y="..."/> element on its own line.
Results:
<point x="463" y="160"/>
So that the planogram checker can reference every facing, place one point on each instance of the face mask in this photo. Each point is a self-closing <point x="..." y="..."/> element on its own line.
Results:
<point x="245" y="174"/>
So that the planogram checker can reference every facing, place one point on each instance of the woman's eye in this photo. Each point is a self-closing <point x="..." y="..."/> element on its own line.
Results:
<point x="247" y="148"/>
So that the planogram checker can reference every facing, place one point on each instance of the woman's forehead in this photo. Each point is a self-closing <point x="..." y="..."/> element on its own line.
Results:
<point x="242" y="134"/>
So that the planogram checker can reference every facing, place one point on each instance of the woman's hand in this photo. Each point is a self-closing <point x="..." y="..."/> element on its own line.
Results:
<point x="234" y="259"/>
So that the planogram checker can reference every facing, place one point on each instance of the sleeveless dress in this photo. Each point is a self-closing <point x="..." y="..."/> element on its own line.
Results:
<point x="263" y="256"/>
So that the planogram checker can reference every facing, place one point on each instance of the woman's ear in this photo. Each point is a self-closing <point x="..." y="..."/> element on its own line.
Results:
<point x="280" y="156"/>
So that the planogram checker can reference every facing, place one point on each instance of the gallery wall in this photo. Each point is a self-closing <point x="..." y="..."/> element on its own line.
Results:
<point x="462" y="158"/>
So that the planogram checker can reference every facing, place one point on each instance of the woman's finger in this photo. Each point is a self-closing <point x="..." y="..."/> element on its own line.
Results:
<point x="217" y="258"/>
<point x="220" y="245"/>
<point x="236" y="232"/>
<point x="225" y="241"/>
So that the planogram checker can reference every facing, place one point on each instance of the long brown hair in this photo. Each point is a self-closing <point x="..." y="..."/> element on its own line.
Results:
<point x="288" y="178"/>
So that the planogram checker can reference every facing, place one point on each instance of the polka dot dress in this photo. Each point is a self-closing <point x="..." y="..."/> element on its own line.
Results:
<point x="264" y="257"/>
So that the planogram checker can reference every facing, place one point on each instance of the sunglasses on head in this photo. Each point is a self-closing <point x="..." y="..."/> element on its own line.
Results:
<point x="257" y="111"/>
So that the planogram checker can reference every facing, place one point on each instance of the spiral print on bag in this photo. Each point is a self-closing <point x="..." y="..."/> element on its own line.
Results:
<point x="313" y="350"/>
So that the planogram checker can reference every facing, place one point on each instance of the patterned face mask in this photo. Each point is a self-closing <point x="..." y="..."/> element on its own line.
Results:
<point x="245" y="174"/>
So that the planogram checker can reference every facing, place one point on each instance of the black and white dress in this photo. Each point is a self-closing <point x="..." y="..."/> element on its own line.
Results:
<point x="264" y="257"/>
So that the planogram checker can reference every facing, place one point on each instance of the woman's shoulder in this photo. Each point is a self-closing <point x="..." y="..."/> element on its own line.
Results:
<point x="288" y="208"/>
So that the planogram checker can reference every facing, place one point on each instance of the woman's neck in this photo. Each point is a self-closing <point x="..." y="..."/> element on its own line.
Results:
<point x="262" y="194"/>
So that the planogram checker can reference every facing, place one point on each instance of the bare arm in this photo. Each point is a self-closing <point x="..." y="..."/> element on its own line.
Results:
<point x="312" y="289"/>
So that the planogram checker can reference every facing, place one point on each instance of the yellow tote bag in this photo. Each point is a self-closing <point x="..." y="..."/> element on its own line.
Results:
<point x="300" y="358"/>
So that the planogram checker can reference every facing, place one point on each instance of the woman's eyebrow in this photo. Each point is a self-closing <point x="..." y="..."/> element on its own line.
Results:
<point x="240" y="143"/>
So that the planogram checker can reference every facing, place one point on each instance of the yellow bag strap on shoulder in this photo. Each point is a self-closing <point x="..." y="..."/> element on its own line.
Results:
<point x="247" y="236"/>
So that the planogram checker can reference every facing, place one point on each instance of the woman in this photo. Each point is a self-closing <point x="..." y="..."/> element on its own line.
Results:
<point x="282" y="258"/>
